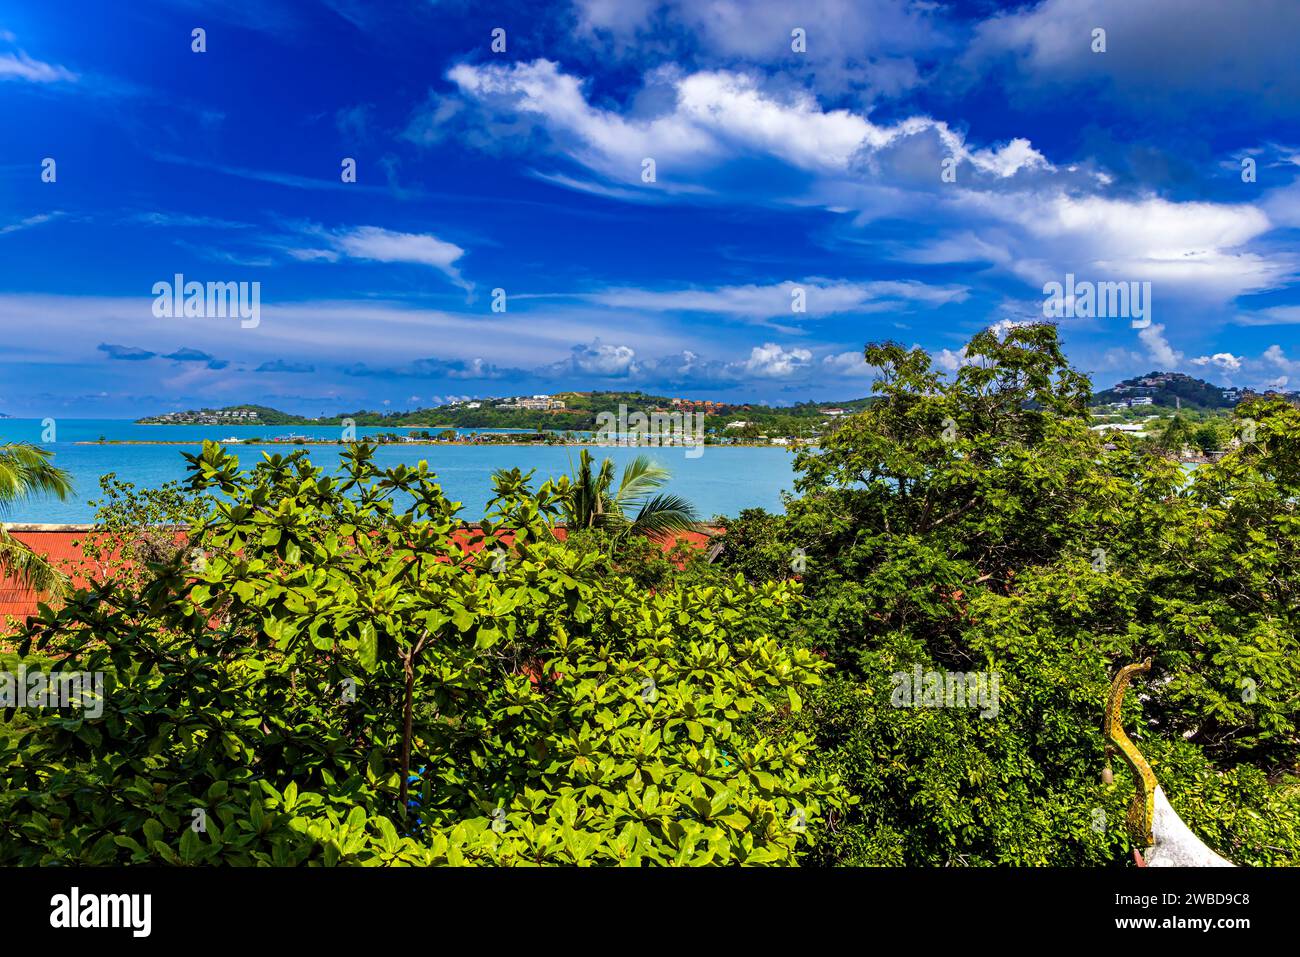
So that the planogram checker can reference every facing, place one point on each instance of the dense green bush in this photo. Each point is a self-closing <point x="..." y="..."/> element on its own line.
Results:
<point x="315" y="647"/>
<point x="978" y="525"/>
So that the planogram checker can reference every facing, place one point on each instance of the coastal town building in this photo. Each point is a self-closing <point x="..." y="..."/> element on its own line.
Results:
<point x="209" y="417"/>
<point x="536" y="403"/>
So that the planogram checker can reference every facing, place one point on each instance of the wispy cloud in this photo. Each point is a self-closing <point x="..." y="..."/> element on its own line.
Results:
<point x="376" y="244"/>
<point x="19" y="66"/>
<point x="29" y="222"/>
<point x="814" y="297"/>
<point x="292" y="180"/>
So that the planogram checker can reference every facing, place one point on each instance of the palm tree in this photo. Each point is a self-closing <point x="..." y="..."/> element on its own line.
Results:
<point x="589" y="499"/>
<point x="25" y="470"/>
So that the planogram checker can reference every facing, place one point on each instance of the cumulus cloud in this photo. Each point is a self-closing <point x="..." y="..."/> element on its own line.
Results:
<point x="1031" y="219"/>
<point x="600" y="359"/>
<point x="847" y="364"/>
<point x="951" y="360"/>
<point x="1223" y="361"/>
<point x="1274" y="357"/>
<point x="1271" y="369"/>
<point x="772" y="361"/>
<point x="712" y="117"/>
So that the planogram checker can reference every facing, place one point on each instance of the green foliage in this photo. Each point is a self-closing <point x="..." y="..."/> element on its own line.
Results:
<point x="332" y="646"/>
<point x="977" y="525"/>
<point x="135" y="528"/>
<point x="589" y="499"/>
<point x="26" y="471"/>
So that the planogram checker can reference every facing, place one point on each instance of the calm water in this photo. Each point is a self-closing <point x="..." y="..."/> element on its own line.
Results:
<point x="722" y="481"/>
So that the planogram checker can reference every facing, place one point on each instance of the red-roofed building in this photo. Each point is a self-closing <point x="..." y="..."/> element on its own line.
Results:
<point x="59" y="544"/>
<point x="62" y="545"/>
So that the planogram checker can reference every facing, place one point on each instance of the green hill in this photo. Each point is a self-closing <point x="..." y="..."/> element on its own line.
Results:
<point x="580" y="413"/>
<point x="1168" y="389"/>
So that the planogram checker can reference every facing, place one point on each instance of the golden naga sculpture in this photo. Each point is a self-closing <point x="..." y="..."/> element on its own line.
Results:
<point x="1156" y="828"/>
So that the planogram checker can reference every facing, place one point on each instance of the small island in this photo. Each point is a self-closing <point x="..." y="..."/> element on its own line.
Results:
<point x="574" y="415"/>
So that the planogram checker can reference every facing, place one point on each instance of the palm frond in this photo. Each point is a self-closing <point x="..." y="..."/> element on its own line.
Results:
<point x="26" y="470"/>
<point x="663" y="515"/>
<point x="588" y="501"/>
<point x="29" y="568"/>
<point x="640" y="478"/>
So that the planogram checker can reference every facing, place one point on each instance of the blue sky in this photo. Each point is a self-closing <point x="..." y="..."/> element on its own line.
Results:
<point x="523" y="171"/>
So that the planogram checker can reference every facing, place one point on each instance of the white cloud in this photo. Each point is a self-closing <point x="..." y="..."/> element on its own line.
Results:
<point x="710" y="118"/>
<point x="949" y="360"/>
<point x="771" y="361"/>
<point x="820" y="297"/>
<point x="19" y="66"/>
<point x="1186" y="250"/>
<point x="1003" y="326"/>
<point x="384" y="245"/>
<point x="847" y="364"/>
<point x="1010" y="206"/>
<point x="376" y="244"/>
<point x="1158" y="347"/>
<point x="1223" y="361"/>
<point x="1275" y="357"/>
<point x="600" y="359"/>
<point x="29" y="222"/>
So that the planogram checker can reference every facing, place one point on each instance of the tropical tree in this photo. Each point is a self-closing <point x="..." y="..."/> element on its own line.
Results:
<point x="973" y="524"/>
<point x="589" y="499"/>
<point x="1178" y="434"/>
<point x="25" y="471"/>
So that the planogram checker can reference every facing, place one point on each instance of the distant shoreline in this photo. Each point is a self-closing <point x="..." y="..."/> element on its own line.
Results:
<point x="525" y="445"/>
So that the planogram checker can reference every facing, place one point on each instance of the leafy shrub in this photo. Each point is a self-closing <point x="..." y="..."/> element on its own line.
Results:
<point x="281" y="678"/>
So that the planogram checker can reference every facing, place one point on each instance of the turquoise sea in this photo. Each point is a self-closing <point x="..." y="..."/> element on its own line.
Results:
<point x="721" y="481"/>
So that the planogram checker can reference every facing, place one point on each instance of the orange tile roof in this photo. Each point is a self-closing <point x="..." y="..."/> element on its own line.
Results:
<point x="59" y="546"/>
<point x="62" y="545"/>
